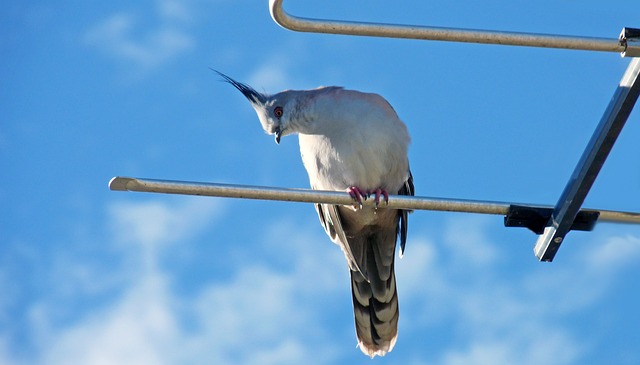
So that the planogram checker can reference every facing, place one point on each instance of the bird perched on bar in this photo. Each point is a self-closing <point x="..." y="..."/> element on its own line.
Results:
<point x="351" y="141"/>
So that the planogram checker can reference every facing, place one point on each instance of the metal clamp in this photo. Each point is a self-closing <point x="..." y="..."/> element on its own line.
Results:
<point x="630" y="38"/>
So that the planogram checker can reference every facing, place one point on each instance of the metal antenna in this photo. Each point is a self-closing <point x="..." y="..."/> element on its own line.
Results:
<point x="628" y="44"/>
<point x="590" y="163"/>
<point x="564" y="214"/>
<point x="552" y="223"/>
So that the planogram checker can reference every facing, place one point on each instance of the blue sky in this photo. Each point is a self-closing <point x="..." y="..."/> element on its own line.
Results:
<point x="91" y="90"/>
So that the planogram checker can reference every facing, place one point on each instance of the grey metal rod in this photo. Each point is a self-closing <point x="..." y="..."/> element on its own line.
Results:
<point x="592" y="160"/>
<point x="300" y="24"/>
<point x="332" y="197"/>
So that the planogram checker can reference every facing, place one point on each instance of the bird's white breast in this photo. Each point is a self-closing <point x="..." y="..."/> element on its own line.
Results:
<point x="356" y="140"/>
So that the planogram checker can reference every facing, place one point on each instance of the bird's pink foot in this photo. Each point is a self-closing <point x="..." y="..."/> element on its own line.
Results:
<point x="377" y="193"/>
<point x="358" y="195"/>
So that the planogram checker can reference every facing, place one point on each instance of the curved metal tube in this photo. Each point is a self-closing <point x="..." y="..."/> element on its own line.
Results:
<point x="442" y="34"/>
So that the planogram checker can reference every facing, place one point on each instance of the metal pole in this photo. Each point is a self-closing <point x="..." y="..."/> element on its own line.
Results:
<point x="590" y="163"/>
<point x="288" y="21"/>
<point x="334" y="197"/>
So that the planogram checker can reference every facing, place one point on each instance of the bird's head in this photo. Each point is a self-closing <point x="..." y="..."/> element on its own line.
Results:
<point x="273" y="110"/>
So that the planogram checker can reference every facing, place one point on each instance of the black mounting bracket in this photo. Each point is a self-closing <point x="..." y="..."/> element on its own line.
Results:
<point x="536" y="218"/>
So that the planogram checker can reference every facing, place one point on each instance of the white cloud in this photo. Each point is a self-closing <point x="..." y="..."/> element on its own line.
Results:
<point x="151" y="224"/>
<point x="271" y="308"/>
<point x="268" y="315"/>
<point x="157" y="222"/>
<point x="279" y="71"/>
<point x="539" y="347"/>
<point x="257" y="318"/>
<point x="5" y="354"/>
<point x="141" y="324"/>
<point x="615" y="251"/>
<point x="124" y="37"/>
<point x="177" y="10"/>
<point x="519" y="318"/>
<point x="423" y="289"/>
<point x="468" y="240"/>
<point x="310" y="253"/>
<point x="582" y="280"/>
<point x="272" y="76"/>
<point x="258" y="315"/>
<point x="139" y="328"/>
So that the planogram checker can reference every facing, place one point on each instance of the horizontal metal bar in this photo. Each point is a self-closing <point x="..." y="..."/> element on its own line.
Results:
<point x="333" y="197"/>
<point x="288" y="21"/>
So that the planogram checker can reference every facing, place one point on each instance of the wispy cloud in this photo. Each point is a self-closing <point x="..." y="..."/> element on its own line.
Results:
<point x="258" y="317"/>
<point x="255" y="316"/>
<point x="505" y="320"/>
<point x="151" y="224"/>
<point x="469" y="242"/>
<point x="280" y="70"/>
<point x="177" y="10"/>
<point x="616" y="251"/>
<point x="155" y="222"/>
<point x="275" y="304"/>
<point x="272" y="76"/>
<point x="138" y="328"/>
<point x="125" y="38"/>
<point x="265" y="314"/>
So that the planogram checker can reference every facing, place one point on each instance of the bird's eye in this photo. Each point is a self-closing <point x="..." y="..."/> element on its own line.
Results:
<point x="278" y="111"/>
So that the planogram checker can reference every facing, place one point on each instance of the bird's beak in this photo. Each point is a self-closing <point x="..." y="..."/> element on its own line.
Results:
<point x="277" y="133"/>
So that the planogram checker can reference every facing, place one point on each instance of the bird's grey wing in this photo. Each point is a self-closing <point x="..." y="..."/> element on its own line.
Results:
<point x="407" y="189"/>
<point x="332" y="223"/>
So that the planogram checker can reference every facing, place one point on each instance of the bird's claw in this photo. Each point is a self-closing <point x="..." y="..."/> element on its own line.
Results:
<point x="358" y="195"/>
<point x="377" y="193"/>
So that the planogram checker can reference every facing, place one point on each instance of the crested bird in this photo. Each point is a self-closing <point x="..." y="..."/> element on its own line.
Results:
<point x="355" y="142"/>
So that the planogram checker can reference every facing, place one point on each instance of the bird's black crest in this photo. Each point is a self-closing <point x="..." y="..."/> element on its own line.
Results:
<point x="246" y="90"/>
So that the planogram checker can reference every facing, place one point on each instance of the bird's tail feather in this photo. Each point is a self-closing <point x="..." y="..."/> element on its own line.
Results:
<point x="375" y="305"/>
